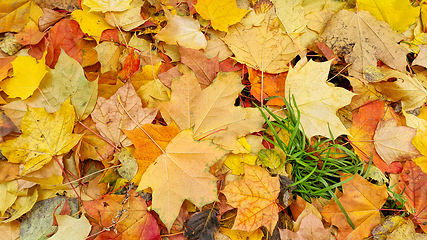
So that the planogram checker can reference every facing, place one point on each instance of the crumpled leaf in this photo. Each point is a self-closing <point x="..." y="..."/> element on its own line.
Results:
<point x="184" y="31"/>
<point x="22" y="205"/>
<point x="413" y="181"/>
<point x="362" y="40"/>
<point x="131" y="65"/>
<point x="69" y="226"/>
<point x="43" y="136"/>
<point x="27" y="75"/>
<point x="362" y="201"/>
<point x="221" y="13"/>
<point x="393" y="142"/>
<point x="182" y="172"/>
<point x="111" y="118"/>
<point x="216" y="117"/>
<point x="255" y="199"/>
<point x="136" y="222"/>
<point x="406" y="89"/>
<point x="398" y="14"/>
<point x="318" y="111"/>
<point x="263" y="48"/>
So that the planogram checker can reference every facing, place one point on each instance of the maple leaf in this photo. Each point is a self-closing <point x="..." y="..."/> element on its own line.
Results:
<point x="149" y="147"/>
<point x="69" y="226"/>
<point x="67" y="80"/>
<point x="221" y="13"/>
<point x="270" y="84"/>
<point x="27" y="75"/>
<point x="184" y="31"/>
<point x="111" y="118"/>
<point x="90" y="23"/>
<point x="184" y="89"/>
<point x="108" y="5"/>
<point x="255" y="199"/>
<point x="204" y="68"/>
<point x="318" y="111"/>
<point x="182" y="172"/>
<point x="108" y="56"/>
<point x="15" y="18"/>
<point x="362" y="133"/>
<point x="43" y="136"/>
<point x="362" y="201"/>
<point x="393" y="142"/>
<point x="30" y="35"/>
<point x="406" y="89"/>
<point x="311" y="228"/>
<point x="413" y="183"/>
<point x="398" y="14"/>
<point x="216" y="117"/>
<point x="291" y="14"/>
<point x="362" y="40"/>
<point x="136" y="223"/>
<point x="263" y="48"/>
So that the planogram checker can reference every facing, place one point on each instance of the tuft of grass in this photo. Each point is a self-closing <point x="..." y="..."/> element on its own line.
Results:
<point x="318" y="164"/>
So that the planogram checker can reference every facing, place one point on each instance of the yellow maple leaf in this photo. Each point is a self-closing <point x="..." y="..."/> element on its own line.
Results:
<point x="221" y="13"/>
<point x="182" y="172"/>
<point x="291" y="14"/>
<point x="27" y="75"/>
<point x="318" y="111"/>
<point x="16" y="18"/>
<point x="43" y="136"/>
<point x="108" y="5"/>
<point x="90" y="23"/>
<point x="398" y="14"/>
<point x="184" y="31"/>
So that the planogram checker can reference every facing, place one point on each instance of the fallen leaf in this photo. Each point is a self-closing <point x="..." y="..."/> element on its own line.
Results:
<point x="406" y="232"/>
<point x="318" y="111"/>
<point x="263" y="48"/>
<point x="236" y="162"/>
<point x="221" y="14"/>
<point x="398" y="14"/>
<point x="91" y="23"/>
<point x="108" y="56"/>
<point x="10" y="231"/>
<point x="8" y="196"/>
<point x="291" y="14"/>
<point x="131" y="65"/>
<point x="127" y="20"/>
<point x="311" y="228"/>
<point x="135" y="221"/>
<point x="111" y="118"/>
<point x="202" y="225"/>
<point x="43" y="136"/>
<point x="184" y="89"/>
<point x="22" y="205"/>
<point x="27" y="75"/>
<point x="419" y="140"/>
<point x="406" y="89"/>
<point x="243" y="235"/>
<point x="30" y="35"/>
<point x="362" y="201"/>
<point x="204" y="68"/>
<point x="184" y="31"/>
<point x="108" y="5"/>
<point x="16" y="18"/>
<point x="413" y="183"/>
<point x="269" y="84"/>
<point x="149" y="147"/>
<point x="255" y="199"/>
<point x="216" y="117"/>
<point x="362" y="40"/>
<point x="393" y="142"/>
<point x="182" y="173"/>
<point x="389" y="225"/>
<point x="69" y="226"/>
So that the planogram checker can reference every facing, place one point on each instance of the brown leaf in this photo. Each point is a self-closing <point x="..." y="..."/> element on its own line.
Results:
<point x="311" y="229"/>
<point x="204" y="68"/>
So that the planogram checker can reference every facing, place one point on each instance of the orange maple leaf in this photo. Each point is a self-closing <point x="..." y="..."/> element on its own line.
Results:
<point x="362" y="201"/>
<point x="255" y="199"/>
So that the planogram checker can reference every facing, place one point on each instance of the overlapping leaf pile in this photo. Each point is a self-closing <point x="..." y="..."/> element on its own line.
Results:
<point x="142" y="115"/>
